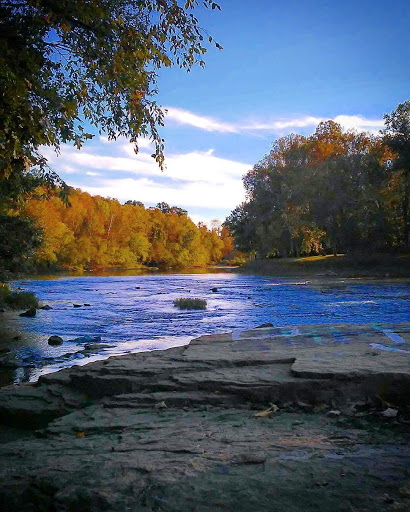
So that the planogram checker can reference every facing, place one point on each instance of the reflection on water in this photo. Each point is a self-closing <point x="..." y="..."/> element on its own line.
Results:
<point x="135" y="312"/>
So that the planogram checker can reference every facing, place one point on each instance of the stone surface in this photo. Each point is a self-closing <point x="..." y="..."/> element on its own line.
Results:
<point x="239" y="421"/>
<point x="8" y="360"/>
<point x="29" y="313"/>
<point x="55" y="340"/>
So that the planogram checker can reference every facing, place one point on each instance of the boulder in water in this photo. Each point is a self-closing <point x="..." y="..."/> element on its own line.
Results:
<point x="86" y="339"/>
<point x="29" y="313"/>
<point x="55" y="340"/>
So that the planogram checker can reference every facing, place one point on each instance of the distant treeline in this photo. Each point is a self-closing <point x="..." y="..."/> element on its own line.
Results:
<point x="334" y="191"/>
<point x="94" y="232"/>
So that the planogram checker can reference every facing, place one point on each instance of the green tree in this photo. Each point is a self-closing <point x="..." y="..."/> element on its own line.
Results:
<point x="397" y="138"/>
<point x="69" y="64"/>
<point x="329" y="191"/>
<point x="19" y="239"/>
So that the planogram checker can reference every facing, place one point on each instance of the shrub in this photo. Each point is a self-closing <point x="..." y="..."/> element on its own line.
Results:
<point x="4" y="294"/>
<point x="17" y="300"/>
<point x="190" y="303"/>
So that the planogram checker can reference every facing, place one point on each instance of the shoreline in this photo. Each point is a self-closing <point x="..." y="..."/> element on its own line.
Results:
<point x="341" y="266"/>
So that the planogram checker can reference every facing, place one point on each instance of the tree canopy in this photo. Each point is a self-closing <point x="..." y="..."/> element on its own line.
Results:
<point x="70" y="67"/>
<point x="397" y="138"/>
<point x="72" y="64"/>
<point x="332" y="191"/>
<point x="97" y="232"/>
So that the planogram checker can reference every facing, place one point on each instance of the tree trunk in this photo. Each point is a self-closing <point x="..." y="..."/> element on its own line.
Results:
<point x="406" y="233"/>
<point x="334" y="247"/>
<point x="291" y="246"/>
<point x="109" y="227"/>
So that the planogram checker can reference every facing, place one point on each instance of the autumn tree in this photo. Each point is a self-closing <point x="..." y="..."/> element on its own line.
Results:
<point x="334" y="190"/>
<point x="71" y="65"/>
<point x="98" y="232"/>
<point x="397" y="138"/>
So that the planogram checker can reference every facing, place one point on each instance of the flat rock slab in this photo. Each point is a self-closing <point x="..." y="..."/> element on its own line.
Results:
<point x="177" y="430"/>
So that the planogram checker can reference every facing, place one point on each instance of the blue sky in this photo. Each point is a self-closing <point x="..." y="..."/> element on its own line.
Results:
<point x="285" y="66"/>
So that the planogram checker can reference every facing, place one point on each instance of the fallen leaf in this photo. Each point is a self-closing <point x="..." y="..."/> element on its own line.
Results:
<point x="268" y="412"/>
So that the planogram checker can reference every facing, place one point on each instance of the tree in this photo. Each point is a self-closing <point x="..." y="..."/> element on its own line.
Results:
<point x="69" y="64"/>
<point x="19" y="239"/>
<point x="97" y="232"/>
<point x="397" y="138"/>
<point x="329" y="191"/>
<point x="134" y="203"/>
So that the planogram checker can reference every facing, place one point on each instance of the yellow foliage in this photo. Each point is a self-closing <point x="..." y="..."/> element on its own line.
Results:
<point x="96" y="232"/>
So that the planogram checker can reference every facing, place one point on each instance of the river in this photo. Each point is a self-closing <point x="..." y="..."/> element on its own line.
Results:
<point x="134" y="313"/>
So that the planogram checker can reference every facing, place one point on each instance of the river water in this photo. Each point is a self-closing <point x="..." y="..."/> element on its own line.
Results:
<point x="134" y="313"/>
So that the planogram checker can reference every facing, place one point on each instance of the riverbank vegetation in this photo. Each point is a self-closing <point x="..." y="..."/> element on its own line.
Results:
<point x="356" y="265"/>
<point x="332" y="192"/>
<point x="95" y="232"/>
<point x="16" y="299"/>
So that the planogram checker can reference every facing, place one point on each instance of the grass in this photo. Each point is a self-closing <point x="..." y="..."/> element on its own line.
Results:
<point x="17" y="300"/>
<point x="185" y="303"/>
<point x="349" y="265"/>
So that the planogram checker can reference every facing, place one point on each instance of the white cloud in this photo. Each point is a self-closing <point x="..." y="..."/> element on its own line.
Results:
<point x="187" y="195"/>
<point x="192" y="180"/>
<point x="195" y="166"/>
<point x="196" y="179"/>
<point x="68" y="169"/>
<point x="283" y="124"/>
<point x="359" y="123"/>
<point x="204" y="123"/>
<point x="273" y="125"/>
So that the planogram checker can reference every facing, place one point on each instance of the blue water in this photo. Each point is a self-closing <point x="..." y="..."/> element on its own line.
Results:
<point x="133" y="313"/>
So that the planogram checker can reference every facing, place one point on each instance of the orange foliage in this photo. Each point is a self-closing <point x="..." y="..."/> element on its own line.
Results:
<point x="96" y="232"/>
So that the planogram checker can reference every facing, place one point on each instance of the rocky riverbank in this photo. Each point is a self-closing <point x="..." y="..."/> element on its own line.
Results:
<point x="296" y="419"/>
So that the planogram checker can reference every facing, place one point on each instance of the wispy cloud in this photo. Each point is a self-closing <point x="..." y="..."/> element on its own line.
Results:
<point x="280" y="125"/>
<point x="188" y="195"/>
<point x="203" y="166"/>
<point x="209" y="124"/>
<point x="196" y="179"/>
<point x="359" y="123"/>
<point x="200" y="181"/>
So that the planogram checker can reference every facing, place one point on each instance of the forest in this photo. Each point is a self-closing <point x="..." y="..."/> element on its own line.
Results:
<point x="70" y="70"/>
<point x="334" y="191"/>
<point x="95" y="232"/>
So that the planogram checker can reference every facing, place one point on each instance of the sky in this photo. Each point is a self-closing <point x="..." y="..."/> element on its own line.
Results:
<point x="285" y="66"/>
